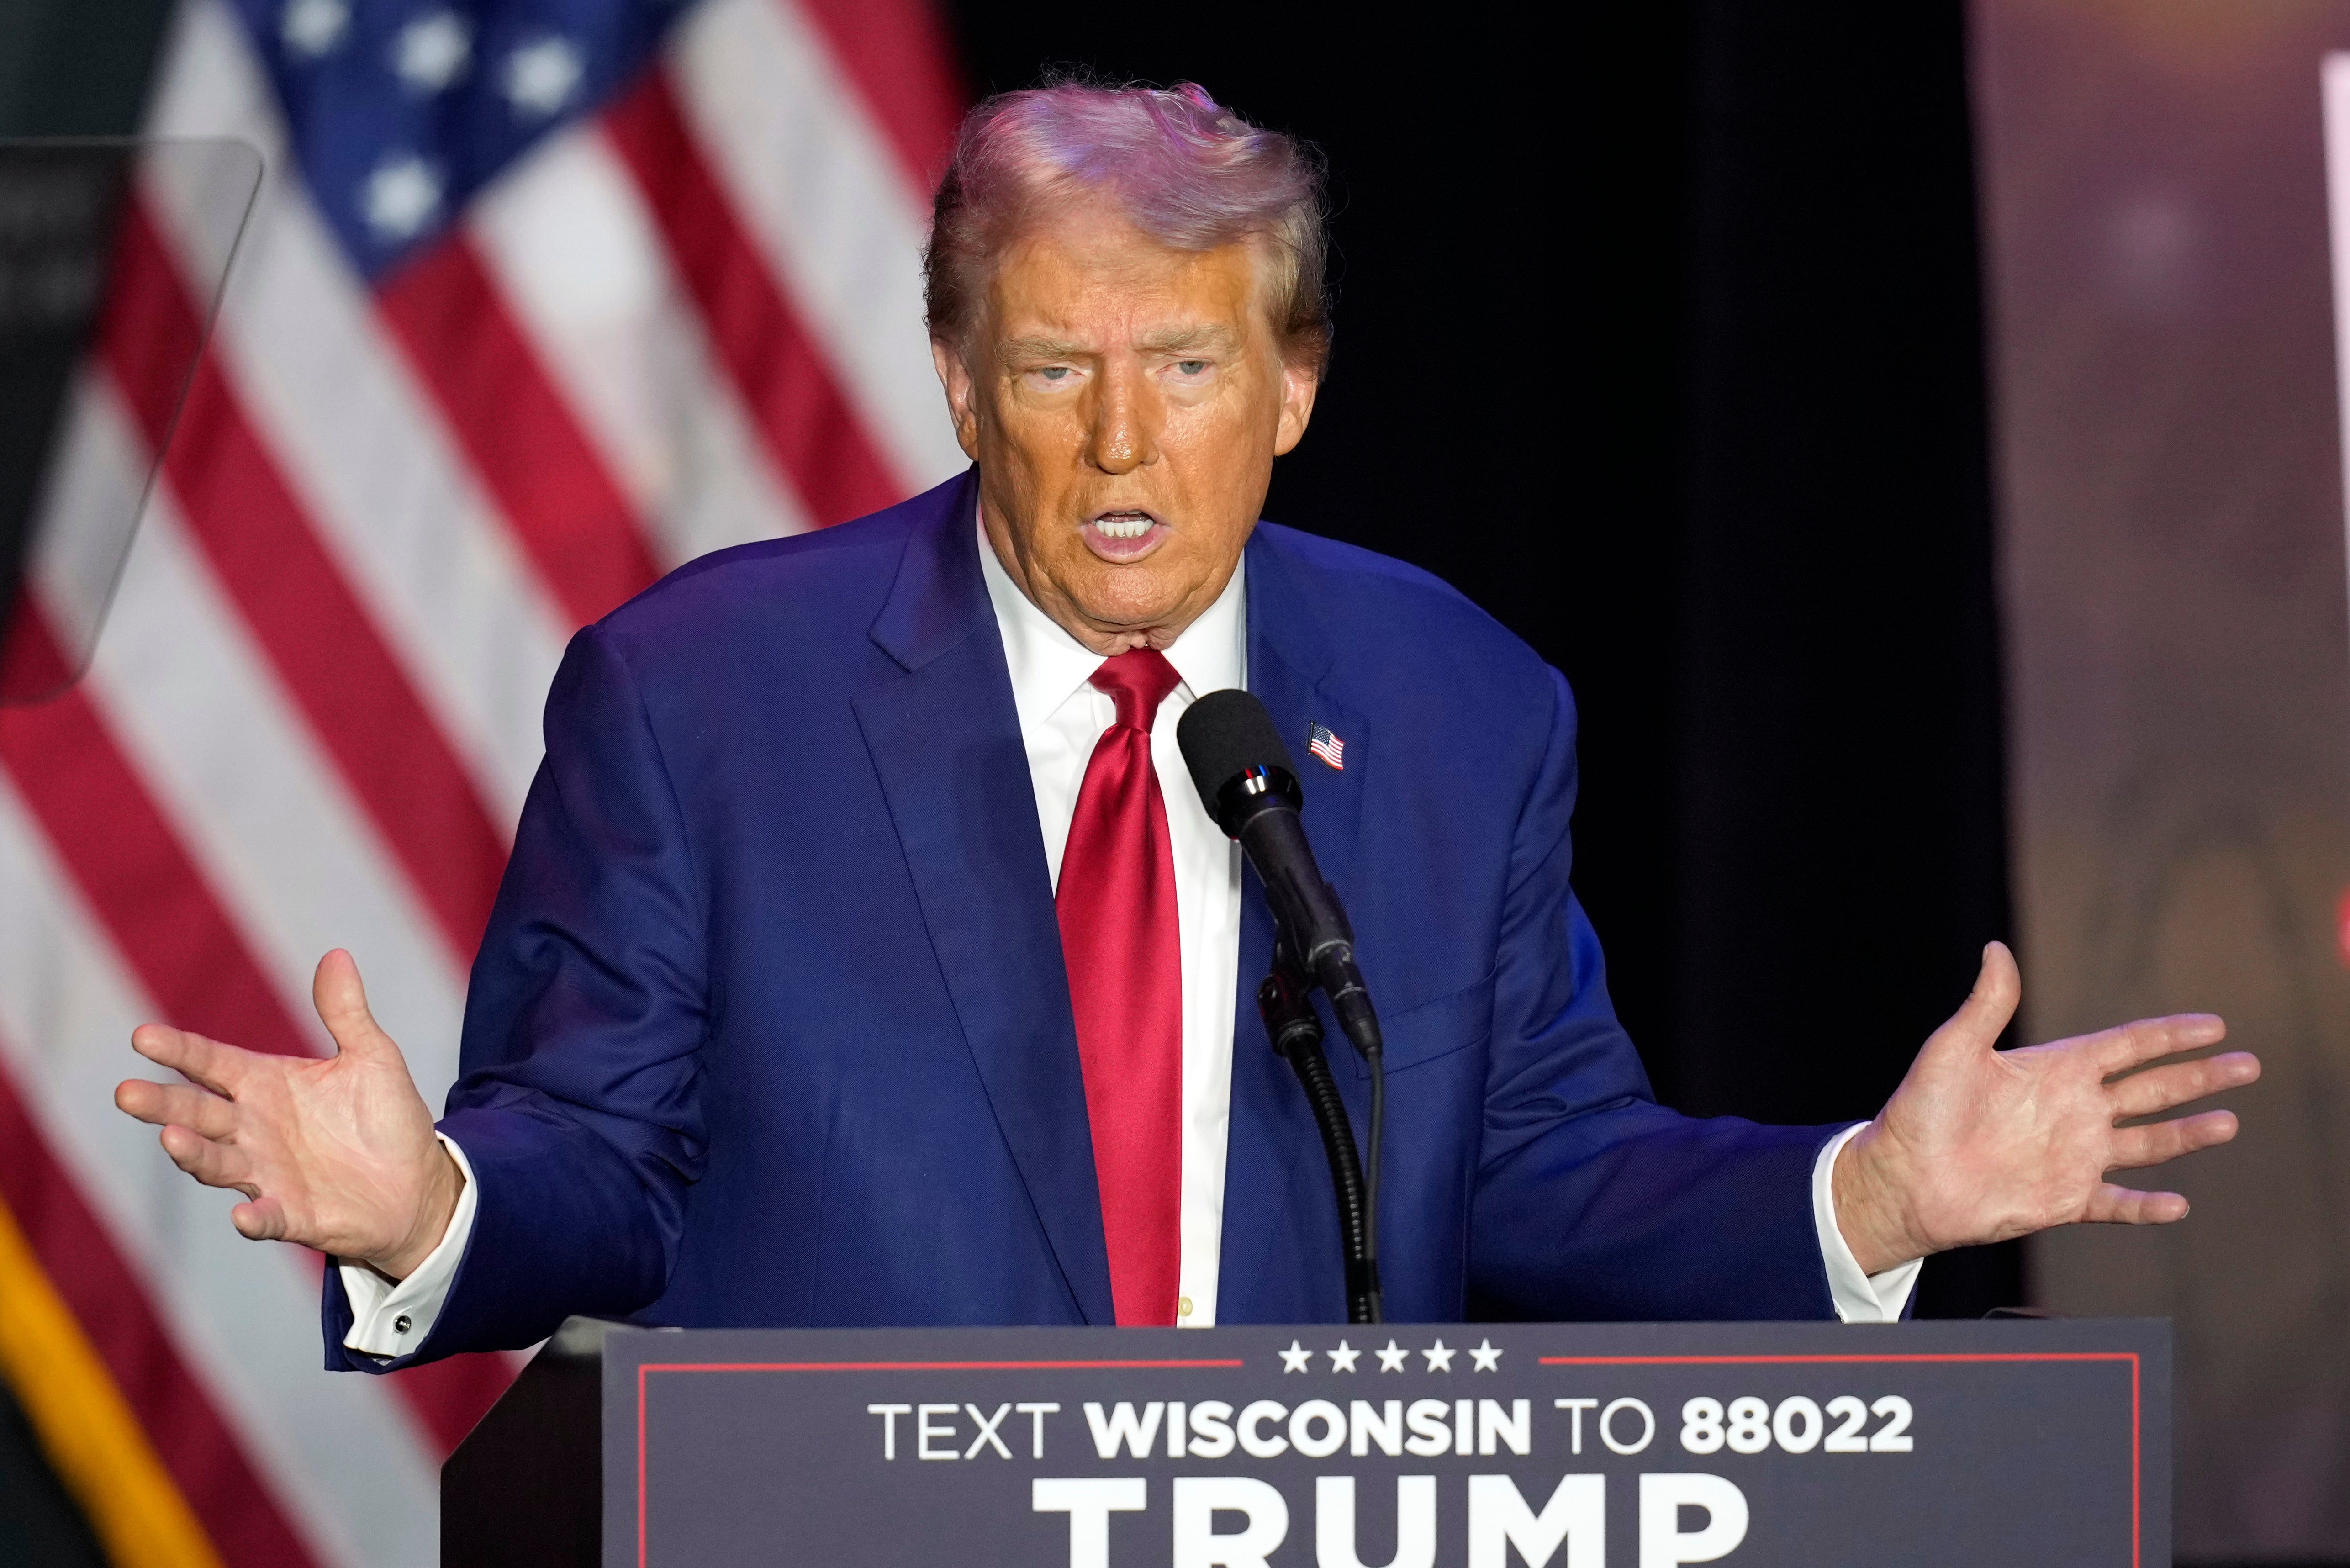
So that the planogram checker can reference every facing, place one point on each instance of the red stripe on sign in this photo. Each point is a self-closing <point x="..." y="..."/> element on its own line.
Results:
<point x="199" y="1448"/>
<point x="506" y="409"/>
<point x="295" y="601"/>
<point x="129" y="863"/>
<point x="925" y="1366"/>
<point x="769" y="355"/>
<point x="1857" y="1358"/>
<point x="896" y="55"/>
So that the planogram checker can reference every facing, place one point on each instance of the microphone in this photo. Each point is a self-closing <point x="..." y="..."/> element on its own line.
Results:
<point x="1250" y="787"/>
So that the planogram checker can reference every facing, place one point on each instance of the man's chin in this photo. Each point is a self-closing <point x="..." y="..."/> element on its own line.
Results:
<point x="1134" y="622"/>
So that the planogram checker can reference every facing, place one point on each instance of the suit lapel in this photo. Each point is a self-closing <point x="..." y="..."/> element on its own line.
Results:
<point x="1276" y="1190"/>
<point x="946" y="740"/>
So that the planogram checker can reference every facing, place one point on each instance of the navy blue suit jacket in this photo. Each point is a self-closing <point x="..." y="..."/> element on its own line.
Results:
<point x="771" y="1027"/>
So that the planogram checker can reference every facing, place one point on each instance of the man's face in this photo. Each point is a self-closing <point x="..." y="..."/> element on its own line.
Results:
<point x="1123" y="402"/>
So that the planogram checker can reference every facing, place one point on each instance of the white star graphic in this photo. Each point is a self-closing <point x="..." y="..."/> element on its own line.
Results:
<point x="1440" y="1359"/>
<point x="1487" y="1358"/>
<point x="540" y="77"/>
<point x="402" y="196"/>
<point x="1342" y="1359"/>
<point x="1392" y="1358"/>
<point x="313" y="27"/>
<point x="431" y="51"/>
<point x="1296" y="1358"/>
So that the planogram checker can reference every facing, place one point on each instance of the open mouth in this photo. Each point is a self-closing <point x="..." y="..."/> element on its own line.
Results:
<point x="1123" y="535"/>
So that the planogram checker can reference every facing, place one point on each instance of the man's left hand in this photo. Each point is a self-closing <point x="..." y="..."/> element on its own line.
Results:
<point x="1983" y="1145"/>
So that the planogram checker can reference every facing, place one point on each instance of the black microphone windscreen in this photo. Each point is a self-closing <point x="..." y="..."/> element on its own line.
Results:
<point x="1224" y="734"/>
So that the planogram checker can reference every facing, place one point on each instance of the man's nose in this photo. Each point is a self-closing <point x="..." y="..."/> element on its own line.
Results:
<point x="1125" y="435"/>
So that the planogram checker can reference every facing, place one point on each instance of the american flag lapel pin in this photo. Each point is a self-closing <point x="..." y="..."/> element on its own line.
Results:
<point x="1327" y="746"/>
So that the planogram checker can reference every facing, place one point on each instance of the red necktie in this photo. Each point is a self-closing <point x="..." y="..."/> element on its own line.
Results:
<point x="1125" y="955"/>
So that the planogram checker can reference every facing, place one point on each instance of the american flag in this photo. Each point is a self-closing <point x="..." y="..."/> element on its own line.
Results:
<point x="541" y="299"/>
<point x="1327" y="746"/>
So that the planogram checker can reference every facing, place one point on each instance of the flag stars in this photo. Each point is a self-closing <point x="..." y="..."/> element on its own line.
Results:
<point x="313" y="27"/>
<point x="1393" y="1357"/>
<point x="1439" y="1358"/>
<point x="541" y="78"/>
<point x="400" y="197"/>
<point x="1296" y="1358"/>
<point x="1487" y="1358"/>
<point x="432" y="51"/>
<point x="1343" y="1359"/>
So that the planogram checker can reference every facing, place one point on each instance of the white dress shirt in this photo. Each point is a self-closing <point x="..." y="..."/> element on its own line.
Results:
<point x="1061" y="718"/>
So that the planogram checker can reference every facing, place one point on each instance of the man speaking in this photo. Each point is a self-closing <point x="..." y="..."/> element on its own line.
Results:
<point x="867" y="957"/>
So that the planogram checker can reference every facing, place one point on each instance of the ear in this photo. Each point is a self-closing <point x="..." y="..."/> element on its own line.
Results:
<point x="955" y="377"/>
<point x="1298" y="385"/>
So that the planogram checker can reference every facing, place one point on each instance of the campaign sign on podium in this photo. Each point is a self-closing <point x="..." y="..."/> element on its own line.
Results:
<point x="1570" y="1446"/>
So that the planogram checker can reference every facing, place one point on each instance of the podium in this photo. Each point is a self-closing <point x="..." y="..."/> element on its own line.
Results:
<point x="2018" y="1442"/>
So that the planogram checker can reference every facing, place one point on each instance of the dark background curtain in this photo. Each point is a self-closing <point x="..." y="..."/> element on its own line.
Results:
<point x="1661" y="337"/>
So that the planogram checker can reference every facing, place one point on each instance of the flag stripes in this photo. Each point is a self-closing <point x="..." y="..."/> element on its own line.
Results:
<point x="299" y="607"/>
<point x="190" y="953"/>
<point x="344" y="1464"/>
<point x="159" y="909"/>
<point x="691" y="318"/>
<point x="572" y="520"/>
<point x="261" y="809"/>
<point x="361" y="442"/>
<point x="774" y="364"/>
<point x="894" y="54"/>
<point x="800" y="162"/>
<point x="588" y="274"/>
<point x="266" y="833"/>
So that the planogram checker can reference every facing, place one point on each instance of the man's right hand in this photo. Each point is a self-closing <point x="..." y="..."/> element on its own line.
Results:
<point x="337" y="1154"/>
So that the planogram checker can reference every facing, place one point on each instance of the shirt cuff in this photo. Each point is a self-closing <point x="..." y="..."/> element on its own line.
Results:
<point x="391" y="1319"/>
<point x="1859" y="1298"/>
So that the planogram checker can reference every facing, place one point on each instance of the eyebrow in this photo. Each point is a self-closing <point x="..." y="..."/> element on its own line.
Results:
<point x="1173" y="341"/>
<point x="1180" y="338"/>
<point x="1042" y="348"/>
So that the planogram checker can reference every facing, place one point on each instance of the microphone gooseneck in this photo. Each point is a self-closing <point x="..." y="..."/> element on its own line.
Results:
<point x="1250" y="787"/>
